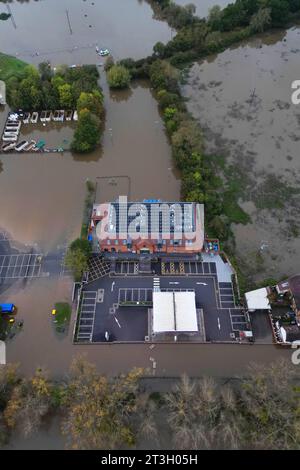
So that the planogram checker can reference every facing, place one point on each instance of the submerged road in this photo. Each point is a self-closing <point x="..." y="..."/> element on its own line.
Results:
<point x="164" y="360"/>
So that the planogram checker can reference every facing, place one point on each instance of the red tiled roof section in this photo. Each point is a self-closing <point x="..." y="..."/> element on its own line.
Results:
<point x="294" y="284"/>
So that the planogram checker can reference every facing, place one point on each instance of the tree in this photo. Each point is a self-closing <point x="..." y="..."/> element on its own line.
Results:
<point x="215" y="17"/>
<point x="45" y="71"/>
<point x="65" y="96"/>
<point x="163" y="76"/>
<point x="261" y="20"/>
<point x="77" y="257"/>
<point x="29" y="403"/>
<point x="187" y="144"/>
<point x="91" y="101"/>
<point x="270" y="400"/>
<point x="87" y="133"/>
<point x="100" y="412"/>
<point x="118" y="77"/>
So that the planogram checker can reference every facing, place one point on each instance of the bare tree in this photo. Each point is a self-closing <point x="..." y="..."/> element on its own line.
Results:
<point x="270" y="400"/>
<point x="29" y="403"/>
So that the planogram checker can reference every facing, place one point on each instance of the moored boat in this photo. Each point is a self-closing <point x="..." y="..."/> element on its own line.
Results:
<point x="34" y="117"/>
<point x="21" y="145"/>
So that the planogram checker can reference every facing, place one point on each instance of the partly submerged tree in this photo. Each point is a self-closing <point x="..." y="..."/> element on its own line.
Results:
<point x="99" y="412"/>
<point x="29" y="403"/>
<point x="87" y="133"/>
<point x="118" y="76"/>
<point x="77" y="257"/>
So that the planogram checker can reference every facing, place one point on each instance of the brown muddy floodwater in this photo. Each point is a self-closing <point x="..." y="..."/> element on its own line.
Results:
<point x="67" y="31"/>
<point x="242" y="99"/>
<point x="42" y="195"/>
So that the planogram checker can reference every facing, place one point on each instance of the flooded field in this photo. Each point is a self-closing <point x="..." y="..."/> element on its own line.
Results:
<point x="242" y="99"/>
<point x="68" y="31"/>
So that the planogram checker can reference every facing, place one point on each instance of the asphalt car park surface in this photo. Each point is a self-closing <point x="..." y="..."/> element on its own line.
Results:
<point x="222" y="320"/>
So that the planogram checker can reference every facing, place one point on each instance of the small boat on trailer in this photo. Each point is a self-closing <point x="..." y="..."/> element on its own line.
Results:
<point x="10" y="139"/>
<point x="9" y="130"/>
<point x="13" y="126"/>
<point x="59" y="115"/>
<point x="45" y="116"/>
<point x="20" y="147"/>
<point x="7" y="147"/>
<point x="69" y="115"/>
<point x="10" y="134"/>
<point x="34" y="117"/>
<point x="30" y="146"/>
<point x="26" y="118"/>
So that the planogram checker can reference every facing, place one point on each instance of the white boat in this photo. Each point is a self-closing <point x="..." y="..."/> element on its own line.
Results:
<point x="75" y="116"/>
<point x="11" y="126"/>
<point x="8" y="147"/>
<point x="58" y="115"/>
<point x="21" y="145"/>
<point x="10" y="139"/>
<point x="10" y="134"/>
<point x="12" y="130"/>
<point x="104" y="52"/>
<point x="34" y="117"/>
<point x="26" y="118"/>
<point x="30" y="146"/>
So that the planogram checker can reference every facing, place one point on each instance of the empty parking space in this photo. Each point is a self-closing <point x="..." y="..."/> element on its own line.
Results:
<point x="20" y="266"/>
<point x="127" y="267"/>
<point x="226" y="295"/>
<point x="238" y="320"/>
<point x="86" y="316"/>
<point x="134" y="295"/>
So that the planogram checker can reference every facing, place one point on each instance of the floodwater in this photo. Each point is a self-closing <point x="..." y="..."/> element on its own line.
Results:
<point x="67" y="31"/>
<point x="42" y="195"/>
<point x="242" y="99"/>
<point x="203" y="6"/>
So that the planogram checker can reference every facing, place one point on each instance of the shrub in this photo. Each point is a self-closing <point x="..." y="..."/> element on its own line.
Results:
<point x="118" y="76"/>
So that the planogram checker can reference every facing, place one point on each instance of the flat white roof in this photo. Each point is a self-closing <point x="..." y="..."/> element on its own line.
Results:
<point x="258" y="299"/>
<point x="174" y="311"/>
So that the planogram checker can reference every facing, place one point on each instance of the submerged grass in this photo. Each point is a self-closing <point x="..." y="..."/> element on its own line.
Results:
<point x="11" y="67"/>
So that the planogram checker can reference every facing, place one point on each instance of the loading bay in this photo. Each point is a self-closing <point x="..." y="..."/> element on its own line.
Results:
<point x="102" y="307"/>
